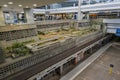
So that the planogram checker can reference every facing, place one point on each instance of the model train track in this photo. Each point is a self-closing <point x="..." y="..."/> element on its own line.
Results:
<point x="32" y="70"/>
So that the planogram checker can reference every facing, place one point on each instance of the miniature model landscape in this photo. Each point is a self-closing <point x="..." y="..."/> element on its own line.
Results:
<point x="45" y="38"/>
<point x="26" y="47"/>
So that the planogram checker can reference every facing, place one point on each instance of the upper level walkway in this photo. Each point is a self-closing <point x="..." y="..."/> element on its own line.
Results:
<point x="84" y="8"/>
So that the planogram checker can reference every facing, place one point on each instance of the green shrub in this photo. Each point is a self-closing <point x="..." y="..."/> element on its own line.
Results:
<point x="63" y="29"/>
<point x="20" y="49"/>
<point x="17" y="45"/>
<point x="30" y="41"/>
<point x="58" y="30"/>
<point x="8" y="49"/>
<point x="40" y="38"/>
<point x="41" y="33"/>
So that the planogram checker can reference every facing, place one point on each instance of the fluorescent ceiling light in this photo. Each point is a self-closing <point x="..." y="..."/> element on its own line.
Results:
<point x="27" y="7"/>
<point x="5" y="5"/>
<point x="20" y="5"/>
<point x="34" y="5"/>
<point x="10" y="2"/>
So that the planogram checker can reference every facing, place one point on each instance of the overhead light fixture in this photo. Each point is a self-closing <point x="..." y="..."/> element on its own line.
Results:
<point x="35" y="5"/>
<point x="10" y="2"/>
<point x="22" y="12"/>
<point x="5" y="5"/>
<point x="20" y="5"/>
<point x="27" y="7"/>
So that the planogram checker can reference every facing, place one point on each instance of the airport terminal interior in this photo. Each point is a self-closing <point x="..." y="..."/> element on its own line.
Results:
<point x="59" y="39"/>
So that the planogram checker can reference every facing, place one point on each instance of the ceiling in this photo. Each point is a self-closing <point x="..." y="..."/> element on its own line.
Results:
<point x="20" y="4"/>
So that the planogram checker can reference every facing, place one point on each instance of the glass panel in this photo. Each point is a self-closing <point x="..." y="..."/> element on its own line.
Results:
<point x="86" y="2"/>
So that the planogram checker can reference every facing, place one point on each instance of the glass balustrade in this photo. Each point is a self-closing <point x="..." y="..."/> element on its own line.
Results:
<point x="87" y="2"/>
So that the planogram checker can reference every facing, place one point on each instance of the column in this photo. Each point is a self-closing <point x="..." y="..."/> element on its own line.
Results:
<point x="89" y="2"/>
<point x="73" y="4"/>
<point x="46" y="13"/>
<point x="61" y="70"/>
<point x="29" y="17"/>
<point x="2" y="19"/>
<point x="118" y="14"/>
<point x="76" y="59"/>
<point x="13" y="16"/>
<point x="104" y="28"/>
<point x="46" y="7"/>
<point x="91" y="50"/>
<point x="87" y="15"/>
<point x="80" y="15"/>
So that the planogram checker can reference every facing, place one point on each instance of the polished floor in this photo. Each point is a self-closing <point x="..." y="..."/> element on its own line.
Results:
<point x="99" y="69"/>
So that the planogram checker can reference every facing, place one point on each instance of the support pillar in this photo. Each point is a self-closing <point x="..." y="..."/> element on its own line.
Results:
<point x="118" y="14"/>
<point x="61" y="70"/>
<point x="73" y="4"/>
<point x="29" y="17"/>
<point x="46" y="7"/>
<point x="91" y="50"/>
<point x="2" y="19"/>
<point x="76" y="60"/>
<point x="104" y="28"/>
<point x="88" y="16"/>
<point x="13" y="16"/>
<point x="80" y="14"/>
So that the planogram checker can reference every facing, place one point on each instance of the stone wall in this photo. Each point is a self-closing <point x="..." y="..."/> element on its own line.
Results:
<point x="58" y="25"/>
<point x="45" y="27"/>
<point x="1" y="55"/>
<point x="8" y="37"/>
<point x="83" y="24"/>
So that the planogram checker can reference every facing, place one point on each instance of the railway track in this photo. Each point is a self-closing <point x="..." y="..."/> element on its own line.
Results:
<point x="32" y="70"/>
